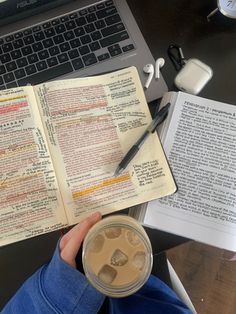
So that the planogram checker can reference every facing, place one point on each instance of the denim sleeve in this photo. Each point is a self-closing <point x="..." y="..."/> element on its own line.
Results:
<point x="55" y="288"/>
<point x="155" y="297"/>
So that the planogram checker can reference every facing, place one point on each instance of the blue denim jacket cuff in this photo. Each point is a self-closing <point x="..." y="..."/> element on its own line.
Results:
<point x="67" y="289"/>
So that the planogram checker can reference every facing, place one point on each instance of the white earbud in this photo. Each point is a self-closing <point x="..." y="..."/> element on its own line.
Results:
<point x="149" y="69"/>
<point x="159" y="64"/>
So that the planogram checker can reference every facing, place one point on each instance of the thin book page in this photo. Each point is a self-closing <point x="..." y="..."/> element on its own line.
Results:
<point x="30" y="200"/>
<point x="200" y="146"/>
<point x="91" y="123"/>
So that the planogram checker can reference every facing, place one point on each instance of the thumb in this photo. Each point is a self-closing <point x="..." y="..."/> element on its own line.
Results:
<point x="71" y="242"/>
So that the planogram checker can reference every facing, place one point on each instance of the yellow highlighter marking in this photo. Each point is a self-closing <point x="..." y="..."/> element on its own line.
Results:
<point x="105" y="183"/>
<point x="12" y="98"/>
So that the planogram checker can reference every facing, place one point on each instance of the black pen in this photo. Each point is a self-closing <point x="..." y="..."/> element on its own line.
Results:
<point x="160" y="117"/>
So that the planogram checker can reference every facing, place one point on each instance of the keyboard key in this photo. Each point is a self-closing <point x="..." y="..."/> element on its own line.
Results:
<point x="75" y="43"/>
<point x="18" y="43"/>
<point x="16" y="54"/>
<point x="113" y="19"/>
<point x="27" y="32"/>
<point x="64" y="18"/>
<point x="91" y="9"/>
<point x="60" y="29"/>
<point x="43" y="54"/>
<point x="73" y="53"/>
<point x="100" y="24"/>
<point x="39" y="36"/>
<point x="37" y="47"/>
<point x="114" y="50"/>
<point x="103" y="56"/>
<point x="79" y="31"/>
<point x="128" y="47"/>
<point x="19" y="73"/>
<point x="48" y="74"/>
<point x="27" y="50"/>
<point x="91" y="17"/>
<point x="1" y="81"/>
<point x="11" y="66"/>
<point x="48" y="43"/>
<point x="55" y="22"/>
<point x="113" y="29"/>
<point x="80" y="21"/>
<point x="85" y="39"/>
<point x="7" y="47"/>
<point x="9" y="38"/>
<point x="84" y="50"/>
<point x="2" y="69"/>
<point x="73" y="16"/>
<point x="41" y="65"/>
<point x="18" y="35"/>
<point x="52" y="61"/>
<point x="22" y="62"/>
<point x="58" y="39"/>
<point x="9" y="77"/>
<point x="100" y="6"/>
<point x="36" y="28"/>
<point x="109" y="2"/>
<point x="49" y="32"/>
<point x="11" y="85"/>
<point x="47" y="25"/>
<point x="83" y="12"/>
<point x="94" y="46"/>
<point x="89" y="59"/>
<point x="33" y="58"/>
<point x="69" y="35"/>
<point x="106" y="12"/>
<point x="5" y="58"/>
<point x="62" y="58"/>
<point x="30" y="69"/>
<point x="53" y="51"/>
<point x="89" y="28"/>
<point x="28" y="40"/>
<point x="70" y="25"/>
<point x="96" y="35"/>
<point x="64" y="47"/>
<point x="77" y="64"/>
<point x="110" y="40"/>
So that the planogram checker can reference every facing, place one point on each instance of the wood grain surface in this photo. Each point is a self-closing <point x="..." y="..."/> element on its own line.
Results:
<point x="208" y="276"/>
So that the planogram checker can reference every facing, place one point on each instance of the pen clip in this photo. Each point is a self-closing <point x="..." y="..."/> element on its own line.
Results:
<point x="159" y="122"/>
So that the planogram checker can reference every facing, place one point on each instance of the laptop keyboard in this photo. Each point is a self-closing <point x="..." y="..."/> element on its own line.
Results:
<point x="62" y="45"/>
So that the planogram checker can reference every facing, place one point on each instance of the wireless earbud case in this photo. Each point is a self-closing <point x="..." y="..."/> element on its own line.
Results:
<point x="193" y="76"/>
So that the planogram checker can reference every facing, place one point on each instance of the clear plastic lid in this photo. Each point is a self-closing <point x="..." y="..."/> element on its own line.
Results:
<point x="117" y="256"/>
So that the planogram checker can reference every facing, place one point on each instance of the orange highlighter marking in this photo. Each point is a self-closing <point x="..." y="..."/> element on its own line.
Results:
<point x="105" y="183"/>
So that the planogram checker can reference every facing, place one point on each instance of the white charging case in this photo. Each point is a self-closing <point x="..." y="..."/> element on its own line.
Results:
<point x="193" y="76"/>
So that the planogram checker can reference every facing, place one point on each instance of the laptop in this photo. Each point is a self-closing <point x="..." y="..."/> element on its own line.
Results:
<point x="43" y="40"/>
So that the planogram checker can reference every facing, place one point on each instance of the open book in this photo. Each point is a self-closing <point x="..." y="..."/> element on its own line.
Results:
<point x="199" y="139"/>
<point x="60" y="143"/>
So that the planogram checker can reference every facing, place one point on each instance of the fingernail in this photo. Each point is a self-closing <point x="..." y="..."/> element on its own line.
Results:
<point x="95" y="215"/>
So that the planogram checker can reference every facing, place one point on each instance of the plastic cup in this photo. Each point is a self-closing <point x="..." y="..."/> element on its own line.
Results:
<point x="117" y="256"/>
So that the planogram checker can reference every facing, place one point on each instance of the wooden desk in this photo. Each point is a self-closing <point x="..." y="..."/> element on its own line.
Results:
<point x="161" y="22"/>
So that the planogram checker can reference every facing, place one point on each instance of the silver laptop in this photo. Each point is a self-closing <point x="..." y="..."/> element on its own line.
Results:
<point x="42" y="40"/>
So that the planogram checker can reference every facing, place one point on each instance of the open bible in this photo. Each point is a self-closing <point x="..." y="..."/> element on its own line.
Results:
<point x="199" y="139"/>
<point x="60" y="143"/>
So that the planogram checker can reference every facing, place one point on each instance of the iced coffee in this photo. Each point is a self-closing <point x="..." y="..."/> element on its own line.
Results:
<point x="117" y="256"/>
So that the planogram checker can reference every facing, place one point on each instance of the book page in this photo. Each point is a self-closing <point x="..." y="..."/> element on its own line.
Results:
<point x="201" y="149"/>
<point x="29" y="197"/>
<point x="91" y="123"/>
